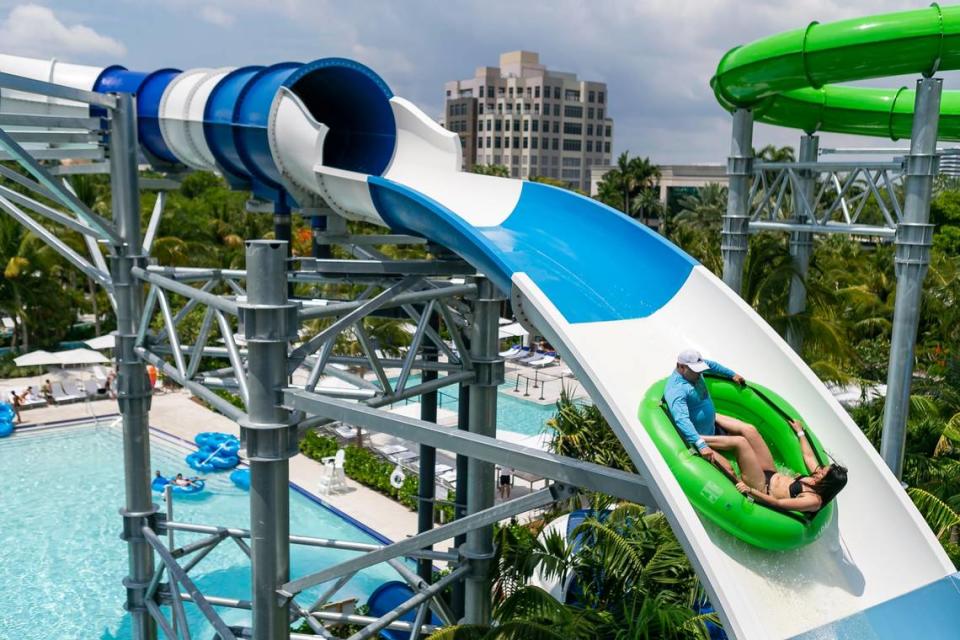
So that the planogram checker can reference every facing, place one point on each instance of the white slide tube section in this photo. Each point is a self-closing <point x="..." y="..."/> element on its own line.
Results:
<point x="175" y="117"/>
<point x="876" y="549"/>
<point x="46" y="70"/>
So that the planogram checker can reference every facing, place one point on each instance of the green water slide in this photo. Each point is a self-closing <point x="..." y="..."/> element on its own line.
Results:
<point x="789" y="79"/>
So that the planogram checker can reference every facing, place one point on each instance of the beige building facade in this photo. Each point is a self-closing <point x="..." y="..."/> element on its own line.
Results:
<point x="534" y="121"/>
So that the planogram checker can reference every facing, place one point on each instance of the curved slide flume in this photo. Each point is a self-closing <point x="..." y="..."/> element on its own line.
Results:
<point x="617" y="300"/>
<point x="789" y="79"/>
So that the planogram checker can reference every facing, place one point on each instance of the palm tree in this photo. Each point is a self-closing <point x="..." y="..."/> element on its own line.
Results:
<point x="704" y="209"/>
<point x="629" y="179"/>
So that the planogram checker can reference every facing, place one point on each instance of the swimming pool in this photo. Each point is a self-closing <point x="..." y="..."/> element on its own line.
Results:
<point x="513" y="413"/>
<point x="63" y="560"/>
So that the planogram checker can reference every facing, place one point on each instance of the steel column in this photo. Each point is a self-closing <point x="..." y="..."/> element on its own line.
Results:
<point x="733" y="242"/>
<point x="428" y="454"/>
<point x="133" y="386"/>
<point x="914" y="238"/>
<point x="801" y="242"/>
<point x="268" y="435"/>
<point x="488" y="367"/>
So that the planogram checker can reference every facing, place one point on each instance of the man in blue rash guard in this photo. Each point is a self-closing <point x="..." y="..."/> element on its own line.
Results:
<point x="693" y="411"/>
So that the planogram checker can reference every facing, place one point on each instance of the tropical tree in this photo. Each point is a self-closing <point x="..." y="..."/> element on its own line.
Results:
<point x="498" y="170"/>
<point x="630" y="178"/>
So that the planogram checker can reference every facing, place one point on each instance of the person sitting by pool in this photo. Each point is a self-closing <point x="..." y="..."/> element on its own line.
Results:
<point x="692" y="408"/>
<point x="46" y="389"/>
<point x="761" y="481"/>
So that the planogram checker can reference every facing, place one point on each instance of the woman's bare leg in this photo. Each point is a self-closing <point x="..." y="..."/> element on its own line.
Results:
<point x="740" y="428"/>
<point x="750" y="469"/>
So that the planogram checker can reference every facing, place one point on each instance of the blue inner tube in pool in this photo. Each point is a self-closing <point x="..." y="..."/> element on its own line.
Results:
<point x="213" y="439"/>
<point x="241" y="478"/>
<point x="203" y="461"/>
<point x="159" y="483"/>
<point x="6" y="419"/>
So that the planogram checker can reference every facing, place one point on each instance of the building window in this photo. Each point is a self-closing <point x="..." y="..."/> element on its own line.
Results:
<point x="489" y="90"/>
<point x="496" y="142"/>
<point x="572" y="111"/>
<point x="526" y="107"/>
<point x="516" y="125"/>
<point x="556" y="126"/>
<point x="571" y="174"/>
<point x="516" y="142"/>
<point x="481" y="91"/>
<point x="556" y="144"/>
<point x="488" y="142"/>
<point x="448" y="94"/>
<point x="536" y="91"/>
<point x="526" y="125"/>
<point x="589" y="129"/>
<point x="533" y="145"/>
<point x="506" y="142"/>
<point x="526" y="142"/>
<point x="529" y="91"/>
<point x="510" y="92"/>
<point x="570" y="144"/>
<point x="572" y="95"/>
<point x="499" y="107"/>
<point x="496" y="125"/>
<point x="514" y="172"/>
<point x="535" y="125"/>
<point x="589" y="146"/>
<point x="496" y="160"/>
<point x="556" y="110"/>
<point x="609" y="131"/>
<point x="599" y="114"/>
<point x="572" y="128"/>
<point x="509" y="107"/>
<point x="480" y="108"/>
<point x="590" y="113"/>
<point x="515" y="160"/>
<point x="556" y="161"/>
<point x="500" y="91"/>
<point x="591" y="96"/>
<point x="479" y="143"/>
<point x="533" y="159"/>
<point x="571" y="162"/>
<point x="479" y="125"/>
<point x="606" y="147"/>
<point x="536" y="107"/>
<point x="556" y="93"/>
<point x="546" y="143"/>
<point x="600" y="97"/>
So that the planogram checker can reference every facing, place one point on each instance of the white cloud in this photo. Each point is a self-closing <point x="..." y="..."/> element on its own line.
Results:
<point x="33" y="30"/>
<point x="216" y="16"/>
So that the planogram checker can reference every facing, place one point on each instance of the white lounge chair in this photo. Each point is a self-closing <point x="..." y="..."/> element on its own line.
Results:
<point x="62" y="396"/>
<point x="512" y="351"/>
<point x="404" y="456"/>
<point x="334" y="478"/>
<point x="542" y="362"/>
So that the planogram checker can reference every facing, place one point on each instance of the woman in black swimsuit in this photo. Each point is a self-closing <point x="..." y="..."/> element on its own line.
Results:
<point x="760" y="480"/>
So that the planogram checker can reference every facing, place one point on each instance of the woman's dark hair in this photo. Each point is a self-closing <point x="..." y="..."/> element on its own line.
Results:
<point x="831" y="483"/>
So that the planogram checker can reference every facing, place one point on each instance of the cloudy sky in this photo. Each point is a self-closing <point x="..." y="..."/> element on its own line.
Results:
<point x="656" y="56"/>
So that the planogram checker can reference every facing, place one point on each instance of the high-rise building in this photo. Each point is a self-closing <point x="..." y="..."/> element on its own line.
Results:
<point x="534" y="121"/>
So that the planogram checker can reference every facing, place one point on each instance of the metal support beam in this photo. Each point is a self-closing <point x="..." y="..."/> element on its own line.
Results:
<point x="428" y="454"/>
<point x="268" y="435"/>
<point x="411" y="297"/>
<point x="488" y="367"/>
<point x="801" y="242"/>
<point x="585" y="475"/>
<point x="480" y="519"/>
<point x="133" y="386"/>
<point x="734" y="239"/>
<point x="914" y="238"/>
<point x="185" y="290"/>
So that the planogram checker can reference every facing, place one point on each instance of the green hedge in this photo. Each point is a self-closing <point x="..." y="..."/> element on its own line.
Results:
<point x="370" y="470"/>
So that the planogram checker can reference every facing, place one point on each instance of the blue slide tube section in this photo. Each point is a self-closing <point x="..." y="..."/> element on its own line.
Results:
<point x="544" y="237"/>
<point x="250" y="116"/>
<point x="354" y="102"/>
<point x="218" y="125"/>
<point x="149" y="88"/>
<point x="387" y="597"/>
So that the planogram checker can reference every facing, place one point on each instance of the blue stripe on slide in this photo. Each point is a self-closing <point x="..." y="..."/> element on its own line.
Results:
<point x="594" y="263"/>
<point x="931" y="612"/>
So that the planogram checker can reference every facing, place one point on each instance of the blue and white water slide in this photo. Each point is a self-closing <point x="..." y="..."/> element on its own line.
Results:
<point x="618" y="301"/>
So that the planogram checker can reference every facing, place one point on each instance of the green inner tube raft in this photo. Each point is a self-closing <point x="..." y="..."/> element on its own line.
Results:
<point x="712" y="494"/>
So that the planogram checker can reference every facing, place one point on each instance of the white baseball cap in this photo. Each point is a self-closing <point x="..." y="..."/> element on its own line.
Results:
<point x="692" y="359"/>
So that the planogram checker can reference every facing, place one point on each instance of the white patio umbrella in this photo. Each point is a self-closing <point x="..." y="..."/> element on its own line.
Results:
<point x="80" y="356"/>
<point x="37" y="358"/>
<point x="108" y="341"/>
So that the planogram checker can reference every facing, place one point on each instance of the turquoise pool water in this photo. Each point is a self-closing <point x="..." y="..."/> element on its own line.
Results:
<point x="513" y="412"/>
<point x="62" y="559"/>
